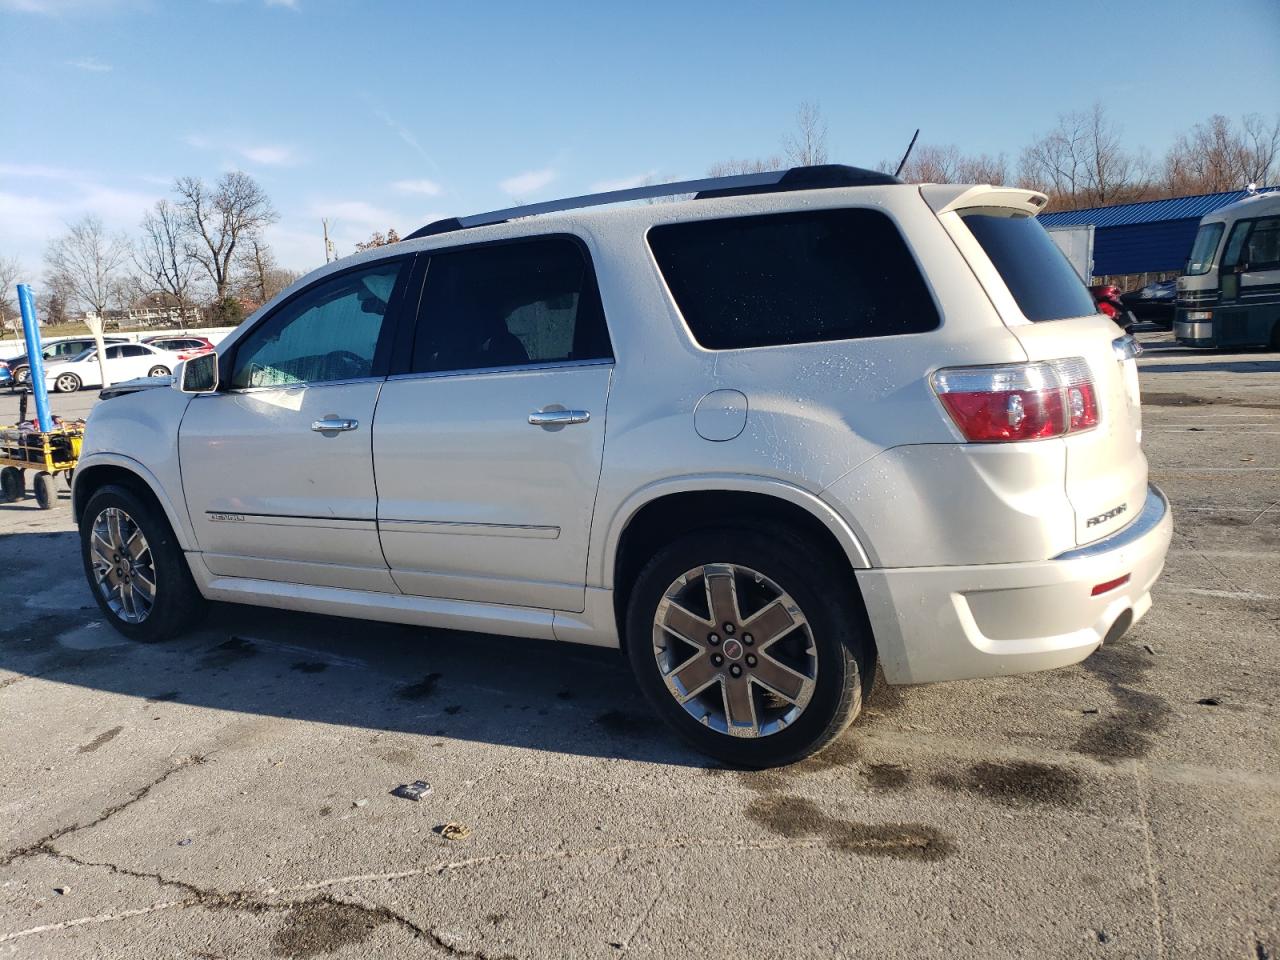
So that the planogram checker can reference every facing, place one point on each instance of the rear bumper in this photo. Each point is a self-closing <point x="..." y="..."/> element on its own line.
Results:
<point x="956" y="623"/>
<point x="1194" y="333"/>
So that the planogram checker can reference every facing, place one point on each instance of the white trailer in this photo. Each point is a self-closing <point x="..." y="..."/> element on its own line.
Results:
<point x="1076" y="242"/>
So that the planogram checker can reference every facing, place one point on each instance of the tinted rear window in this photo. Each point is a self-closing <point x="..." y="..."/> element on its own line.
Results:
<point x="793" y="278"/>
<point x="1041" y="279"/>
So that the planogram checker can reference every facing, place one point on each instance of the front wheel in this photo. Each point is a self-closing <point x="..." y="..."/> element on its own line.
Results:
<point x="136" y="570"/>
<point x="67" y="383"/>
<point x="750" y="645"/>
<point x="158" y="371"/>
<point x="21" y="376"/>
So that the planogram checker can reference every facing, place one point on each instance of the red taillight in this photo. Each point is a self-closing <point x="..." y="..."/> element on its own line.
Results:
<point x="1109" y="586"/>
<point x="1019" y="401"/>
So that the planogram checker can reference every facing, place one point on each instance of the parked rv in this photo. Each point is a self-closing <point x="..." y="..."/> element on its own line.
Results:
<point x="1229" y="292"/>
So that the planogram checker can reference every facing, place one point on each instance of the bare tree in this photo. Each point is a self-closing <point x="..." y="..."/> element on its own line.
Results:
<point x="729" y="168"/>
<point x="86" y="263"/>
<point x="376" y="239"/>
<point x="217" y="220"/>
<point x="262" y="276"/>
<point x="10" y="272"/>
<point x="1081" y="162"/>
<point x="161" y="255"/>
<point x="938" y="163"/>
<point x="1214" y="157"/>
<point x="806" y="146"/>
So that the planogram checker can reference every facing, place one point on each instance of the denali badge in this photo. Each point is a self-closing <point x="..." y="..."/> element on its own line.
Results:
<point x="1104" y="517"/>
<point x="239" y="517"/>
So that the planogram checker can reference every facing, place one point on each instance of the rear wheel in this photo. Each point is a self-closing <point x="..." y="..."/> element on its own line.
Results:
<point x="67" y="383"/>
<point x="136" y="570"/>
<point x="12" y="486"/>
<point x="46" y="495"/>
<point x="749" y="645"/>
<point x="21" y="376"/>
<point x="158" y="371"/>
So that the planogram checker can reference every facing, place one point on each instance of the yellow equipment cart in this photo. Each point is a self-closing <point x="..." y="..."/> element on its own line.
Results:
<point x="49" y="454"/>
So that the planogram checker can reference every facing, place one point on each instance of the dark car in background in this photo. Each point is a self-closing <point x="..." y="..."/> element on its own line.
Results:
<point x="1154" y="302"/>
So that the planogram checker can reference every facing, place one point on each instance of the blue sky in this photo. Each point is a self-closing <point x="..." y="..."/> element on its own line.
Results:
<point x="391" y="114"/>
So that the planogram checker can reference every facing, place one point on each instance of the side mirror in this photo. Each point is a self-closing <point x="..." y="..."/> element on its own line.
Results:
<point x="197" y="375"/>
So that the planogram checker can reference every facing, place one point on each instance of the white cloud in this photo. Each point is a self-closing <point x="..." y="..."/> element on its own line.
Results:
<point x="354" y="211"/>
<point x="271" y="156"/>
<point x="527" y="182"/>
<point x="56" y="8"/>
<point x="624" y="183"/>
<point x="403" y="133"/>
<point x="427" y="188"/>
<point x="91" y="64"/>
<point x="197" y="140"/>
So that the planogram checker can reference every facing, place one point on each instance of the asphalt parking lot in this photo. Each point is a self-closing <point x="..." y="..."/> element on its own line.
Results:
<point x="228" y="794"/>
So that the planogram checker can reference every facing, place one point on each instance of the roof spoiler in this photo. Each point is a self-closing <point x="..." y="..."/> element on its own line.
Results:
<point x="950" y="197"/>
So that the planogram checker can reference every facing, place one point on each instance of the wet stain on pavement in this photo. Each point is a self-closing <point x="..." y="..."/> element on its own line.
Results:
<point x="309" y="666"/>
<point x="100" y="740"/>
<point x="323" y="926"/>
<point x="1127" y="732"/>
<point x="228" y="654"/>
<point x="887" y="776"/>
<point x="420" y="690"/>
<point x="1180" y="400"/>
<point x="1016" y="783"/>
<point x="167" y="697"/>
<point x="797" y="818"/>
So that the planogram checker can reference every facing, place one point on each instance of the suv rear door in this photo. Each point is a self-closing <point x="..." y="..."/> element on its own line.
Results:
<point x="487" y="443"/>
<point x="1047" y="307"/>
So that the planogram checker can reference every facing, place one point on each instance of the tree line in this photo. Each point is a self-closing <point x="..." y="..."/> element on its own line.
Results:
<point x="201" y="253"/>
<point x="1082" y="161"/>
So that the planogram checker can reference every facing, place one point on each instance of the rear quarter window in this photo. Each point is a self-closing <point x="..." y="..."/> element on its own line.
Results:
<point x="1038" y="275"/>
<point x="800" y="277"/>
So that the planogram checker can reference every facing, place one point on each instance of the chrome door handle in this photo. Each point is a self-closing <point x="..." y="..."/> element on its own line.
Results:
<point x="556" y="418"/>
<point x="333" y="425"/>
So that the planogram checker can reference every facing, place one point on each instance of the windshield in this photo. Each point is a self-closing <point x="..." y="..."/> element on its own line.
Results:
<point x="1202" y="251"/>
<point x="1041" y="279"/>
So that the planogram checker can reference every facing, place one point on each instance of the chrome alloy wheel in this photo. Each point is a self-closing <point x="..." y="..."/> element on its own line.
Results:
<point x="123" y="568"/>
<point x="735" y="650"/>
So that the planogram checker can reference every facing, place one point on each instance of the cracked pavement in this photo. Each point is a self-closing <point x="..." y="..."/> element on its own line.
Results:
<point x="228" y="794"/>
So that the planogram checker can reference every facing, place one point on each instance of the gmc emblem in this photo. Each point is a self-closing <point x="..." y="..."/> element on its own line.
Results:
<point x="1104" y="517"/>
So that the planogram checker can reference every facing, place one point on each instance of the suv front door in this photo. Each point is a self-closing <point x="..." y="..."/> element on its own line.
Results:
<point x="487" y="446"/>
<point x="276" y="465"/>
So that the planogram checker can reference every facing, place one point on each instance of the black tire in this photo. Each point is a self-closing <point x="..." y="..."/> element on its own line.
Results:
<point x="67" y="383"/>
<point x="159" y="371"/>
<point x="826" y="595"/>
<point x="46" y="494"/>
<point x="21" y="375"/>
<point x="178" y="604"/>
<point x="12" y="486"/>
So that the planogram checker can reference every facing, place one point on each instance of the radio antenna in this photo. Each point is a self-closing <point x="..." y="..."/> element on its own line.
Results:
<point x="903" y="162"/>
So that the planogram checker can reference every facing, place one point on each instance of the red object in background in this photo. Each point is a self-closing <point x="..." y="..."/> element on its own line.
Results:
<point x="1106" y="296"/>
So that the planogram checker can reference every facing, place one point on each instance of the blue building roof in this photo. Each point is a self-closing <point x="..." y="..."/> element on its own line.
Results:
<point x="1150" y="211"/>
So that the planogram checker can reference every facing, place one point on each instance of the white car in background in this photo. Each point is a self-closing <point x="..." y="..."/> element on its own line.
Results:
<point x="125" y="361"/>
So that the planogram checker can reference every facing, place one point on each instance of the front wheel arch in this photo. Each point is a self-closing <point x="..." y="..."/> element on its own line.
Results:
<point x="90" y="477"/>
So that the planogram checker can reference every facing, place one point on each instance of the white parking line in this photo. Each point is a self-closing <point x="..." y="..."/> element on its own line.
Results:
<point x="1226" y="594"/>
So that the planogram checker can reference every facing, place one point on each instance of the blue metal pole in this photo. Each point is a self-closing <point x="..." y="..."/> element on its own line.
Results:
<point x="35" y="359"/>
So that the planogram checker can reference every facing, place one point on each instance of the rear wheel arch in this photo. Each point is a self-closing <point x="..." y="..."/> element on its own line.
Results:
<point x="667" y="516"/>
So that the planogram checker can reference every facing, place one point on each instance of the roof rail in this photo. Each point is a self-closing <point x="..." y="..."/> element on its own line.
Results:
<point x="774" y="181"/>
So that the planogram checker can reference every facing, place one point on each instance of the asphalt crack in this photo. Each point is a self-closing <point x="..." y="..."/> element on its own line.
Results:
<point x="44" y="844"/>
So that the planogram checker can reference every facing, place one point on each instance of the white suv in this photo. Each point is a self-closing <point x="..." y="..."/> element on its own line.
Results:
<point x="762" y="439"/>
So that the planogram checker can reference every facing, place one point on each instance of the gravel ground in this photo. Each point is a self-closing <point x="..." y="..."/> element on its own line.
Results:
<point x="228" y="794"/>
